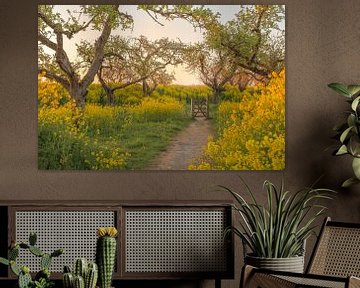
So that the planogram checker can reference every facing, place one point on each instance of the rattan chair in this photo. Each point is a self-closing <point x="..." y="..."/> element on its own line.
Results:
<point x="334" y="263"/>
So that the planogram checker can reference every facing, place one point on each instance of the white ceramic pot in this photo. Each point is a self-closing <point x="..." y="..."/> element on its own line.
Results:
<point x="291" y="264"/>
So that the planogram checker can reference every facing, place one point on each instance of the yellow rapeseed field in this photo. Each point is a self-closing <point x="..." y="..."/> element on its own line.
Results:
<point x="253" y="137"/>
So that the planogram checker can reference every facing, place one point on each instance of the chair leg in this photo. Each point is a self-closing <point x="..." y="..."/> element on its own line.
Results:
<point x="217" y="282"/>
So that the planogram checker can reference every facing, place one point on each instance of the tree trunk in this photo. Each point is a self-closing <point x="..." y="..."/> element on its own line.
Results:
<point x="217" y="94"/>
<point x="108" y="90"/>
<point x="111" y="97"/>
<point x="77" y="88"/>
<point x="145" y="88"/>
<point x="78" y="93"/>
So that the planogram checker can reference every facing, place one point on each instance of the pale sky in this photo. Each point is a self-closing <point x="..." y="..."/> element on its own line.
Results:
<point x="144" y="25"/>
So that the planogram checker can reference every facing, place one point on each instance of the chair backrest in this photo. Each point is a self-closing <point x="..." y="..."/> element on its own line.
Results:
<point x="337" y="251"/>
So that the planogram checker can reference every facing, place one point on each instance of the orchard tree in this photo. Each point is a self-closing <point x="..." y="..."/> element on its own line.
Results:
<point x="131" y="60"/>
<point x="149" y="60"/>
<point x="215" y="67"/>
<point x="254" y="38"/>
<point x="160" y="77"/>
<point x="52" y="29"/>
<point x="115" y="70"/>
<point x="245" y="78"/>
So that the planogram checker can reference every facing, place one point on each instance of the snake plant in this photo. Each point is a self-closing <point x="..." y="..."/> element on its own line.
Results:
<point x="280" y="228"/>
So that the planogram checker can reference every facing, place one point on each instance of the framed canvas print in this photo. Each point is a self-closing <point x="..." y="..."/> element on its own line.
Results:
<point x="161" y="87"/>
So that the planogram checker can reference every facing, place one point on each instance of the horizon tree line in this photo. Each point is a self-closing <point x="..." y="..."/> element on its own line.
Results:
<point x="249" y="46"/>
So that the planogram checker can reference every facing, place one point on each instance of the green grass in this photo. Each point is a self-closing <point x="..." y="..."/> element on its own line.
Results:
<point x="108" y="139"/>
<point x="145" y="140"/>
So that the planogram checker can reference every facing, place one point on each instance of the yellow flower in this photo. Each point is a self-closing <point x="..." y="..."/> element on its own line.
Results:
<point x="252" y="134"/>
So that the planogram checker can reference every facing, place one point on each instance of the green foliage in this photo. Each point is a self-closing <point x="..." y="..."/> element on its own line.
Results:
<point x="279" y="229"/>
<point x="45" y="261"/>
<point x="231" y="93"/>
<point x="58" y="148"/>
<point x="198" y="16"/>
<point x="96" y="94"/>
<point x="14" y="268"/>
<point x="13" y="253"/>
<point x="25" y="280"/>
<point x="78" y="19"/>
<point x="43" y="283"/>
<point x="183" y="92"/>
<point x="349" y="132"/>
<point x="42" y="278"/>
<point x="130" y="95"/>
<point x="107" y="137"/>
<point x="250" y="40"/>
<point x="4" y="261"/>
<point x="32" y="239"/>
<point x="99" y="14"/>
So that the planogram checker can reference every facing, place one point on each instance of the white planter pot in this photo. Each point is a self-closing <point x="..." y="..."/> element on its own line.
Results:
<point x="291" y="264"/>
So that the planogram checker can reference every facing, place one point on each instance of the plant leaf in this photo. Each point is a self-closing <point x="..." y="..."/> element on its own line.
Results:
<point x="351" y="120"/>
<point x="345" y="134"/>
<point x="353" y="89"/>
<point x="349" y="182"/>
<point x="279" y="228"/>
<point x="342" y="150"/>
<point x="4" y="261"/>
<point x="354" y="145"/>
<point x="355" y="103"/>
<point x="356" y="167"/>
<point x="340" y="88"/>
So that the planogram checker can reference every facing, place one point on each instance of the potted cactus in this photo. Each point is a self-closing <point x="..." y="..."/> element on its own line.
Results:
<point x="84" y="275"/>
<point x="106" y="254"/>
<point x="42" y="278"/>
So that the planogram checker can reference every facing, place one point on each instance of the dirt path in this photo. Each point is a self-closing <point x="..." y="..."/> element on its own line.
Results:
<point x="186" y="145"/>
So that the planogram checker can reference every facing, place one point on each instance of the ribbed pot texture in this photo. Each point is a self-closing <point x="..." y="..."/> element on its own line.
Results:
<point x="291" y="264"/>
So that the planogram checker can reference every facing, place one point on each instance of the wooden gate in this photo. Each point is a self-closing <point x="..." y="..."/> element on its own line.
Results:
<point x="200" y="107"/>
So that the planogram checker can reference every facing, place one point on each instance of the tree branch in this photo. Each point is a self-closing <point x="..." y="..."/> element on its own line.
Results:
<point x="47" y="21"/>
<point x="47" y="42"/>
<point x="99" y="52"/>
<point x="71" y="33"/>
<point x="154" y="18"/>
<point x="129" y="83"/>
<point x="48" y="74"/>
<point x="61" y="57"/>
<point x="257" y="31"/>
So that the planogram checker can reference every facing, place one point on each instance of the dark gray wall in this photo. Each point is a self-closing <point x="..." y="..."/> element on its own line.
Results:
<point x="323" y="40"/>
